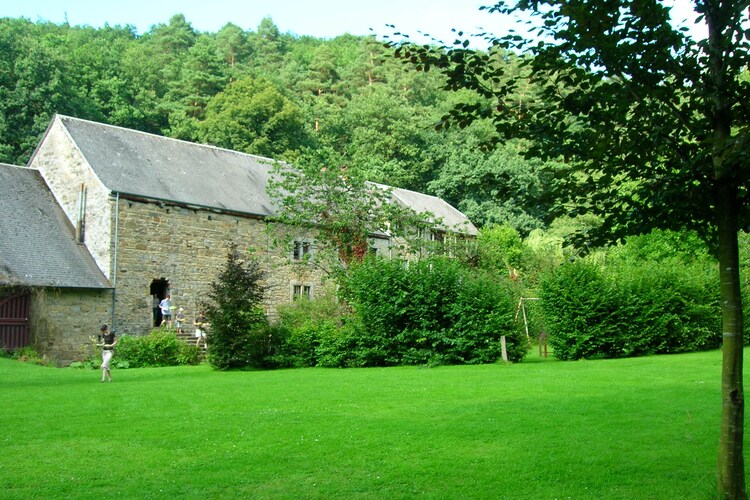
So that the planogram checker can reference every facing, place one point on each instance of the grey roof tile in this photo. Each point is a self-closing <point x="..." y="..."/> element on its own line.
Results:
<point x="37" y="241"/>
<point x="449" y="218"/>
<point x="155" y="167"/>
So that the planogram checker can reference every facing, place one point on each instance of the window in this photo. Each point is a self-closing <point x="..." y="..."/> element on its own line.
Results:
<point x="301" y="248"/>
<point x="301" y="290"/>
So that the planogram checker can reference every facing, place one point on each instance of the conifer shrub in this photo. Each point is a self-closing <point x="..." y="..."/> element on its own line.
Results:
<point x="237" y="335"/>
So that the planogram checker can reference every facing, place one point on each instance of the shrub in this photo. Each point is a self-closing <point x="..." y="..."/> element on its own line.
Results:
<point x="305" y="323"/>
<point x="266" y="347"/>
<point x="428" y="312"/>
<point x="633" y="307"/>
<point x="235" y="315"/>
<point x="341" y="347"/>
<point x="29" y="355"/>
<point x="579" y="307"/>
<point x="158" y="348"/>
<point x="482" y="313"/>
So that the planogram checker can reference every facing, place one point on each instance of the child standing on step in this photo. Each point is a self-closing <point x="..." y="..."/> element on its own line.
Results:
<point x="179" y="319"/>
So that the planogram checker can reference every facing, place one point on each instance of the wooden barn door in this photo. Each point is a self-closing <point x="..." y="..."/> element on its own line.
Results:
<point x="14" y="321"/>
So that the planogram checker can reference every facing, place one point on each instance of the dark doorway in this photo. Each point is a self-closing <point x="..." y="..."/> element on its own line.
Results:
<point x="158" y="290"/>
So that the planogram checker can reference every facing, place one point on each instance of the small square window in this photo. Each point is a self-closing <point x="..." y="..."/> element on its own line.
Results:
<point x="301" y="248"/>
<point x="301" y="290"/>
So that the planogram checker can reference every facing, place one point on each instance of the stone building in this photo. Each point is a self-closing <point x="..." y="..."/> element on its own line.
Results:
<point x="157" y="216"/>
<point x="52" y="293"/>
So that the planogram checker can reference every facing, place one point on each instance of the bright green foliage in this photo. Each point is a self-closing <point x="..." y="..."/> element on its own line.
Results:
<point x="429" y="311"/>
<point x="311" y="327"/>
<point x="631" y="308"/>
<point x="236" y="316"/>
<point x="253" y="116"/>
<point x="158" y="348"/>
<point x="500" y="248"/>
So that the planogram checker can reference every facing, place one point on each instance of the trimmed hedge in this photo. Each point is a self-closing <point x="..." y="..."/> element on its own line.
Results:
<point x="631" y="310"/>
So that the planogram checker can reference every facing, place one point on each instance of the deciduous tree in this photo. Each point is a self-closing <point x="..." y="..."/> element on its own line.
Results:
<point x="654" y="127"/>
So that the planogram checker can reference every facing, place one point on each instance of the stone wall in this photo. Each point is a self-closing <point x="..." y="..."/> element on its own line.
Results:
<point x="61" y="321"/>
<point x="188" y="248"/>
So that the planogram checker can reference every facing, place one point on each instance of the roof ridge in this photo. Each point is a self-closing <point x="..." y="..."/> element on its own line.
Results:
<point x="163" y="137"/>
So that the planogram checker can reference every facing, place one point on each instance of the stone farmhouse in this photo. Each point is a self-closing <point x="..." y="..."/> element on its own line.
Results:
<point x="105" y="220"/>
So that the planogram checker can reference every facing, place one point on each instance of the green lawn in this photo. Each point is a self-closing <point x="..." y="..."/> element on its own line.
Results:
<point x="630" y="428"/>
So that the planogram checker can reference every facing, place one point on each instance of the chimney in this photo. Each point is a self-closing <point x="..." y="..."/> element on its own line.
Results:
<point x="81" y="219"/>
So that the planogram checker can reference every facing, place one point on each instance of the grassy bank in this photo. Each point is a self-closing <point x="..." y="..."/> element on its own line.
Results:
<point x="630" y="428"/>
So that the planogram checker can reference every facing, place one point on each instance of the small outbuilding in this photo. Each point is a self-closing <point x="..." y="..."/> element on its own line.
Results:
<point x="52" y="293"/>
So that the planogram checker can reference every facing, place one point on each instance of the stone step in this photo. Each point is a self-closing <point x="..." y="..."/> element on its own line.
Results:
<point x="188" y="337"/>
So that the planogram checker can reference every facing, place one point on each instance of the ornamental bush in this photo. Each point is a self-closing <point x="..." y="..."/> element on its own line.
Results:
<point x="158" y="348"/>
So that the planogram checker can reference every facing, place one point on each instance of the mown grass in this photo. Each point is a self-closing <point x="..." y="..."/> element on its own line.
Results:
<point x="630" y="428"/>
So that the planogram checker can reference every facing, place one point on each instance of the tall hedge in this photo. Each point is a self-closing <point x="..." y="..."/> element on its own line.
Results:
<point x="429" y="311"/>
<point x="630" y="310"/>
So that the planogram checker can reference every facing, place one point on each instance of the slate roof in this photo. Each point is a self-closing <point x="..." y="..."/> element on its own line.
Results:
<point x="450" y="218"/>
<point x="155" y="167"/>
<point x="37" y="241"/>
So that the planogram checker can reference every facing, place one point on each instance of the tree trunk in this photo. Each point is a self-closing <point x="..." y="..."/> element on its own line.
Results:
<point x="731" y="459"/>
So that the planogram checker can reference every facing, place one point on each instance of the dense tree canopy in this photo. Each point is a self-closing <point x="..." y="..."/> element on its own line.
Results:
<point x="265" y="92"/>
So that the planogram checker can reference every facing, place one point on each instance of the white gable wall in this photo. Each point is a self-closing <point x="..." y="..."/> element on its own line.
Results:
<point x="64" y="169"/>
